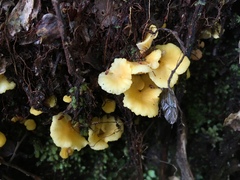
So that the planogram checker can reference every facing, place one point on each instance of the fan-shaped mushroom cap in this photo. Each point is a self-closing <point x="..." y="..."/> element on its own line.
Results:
<point x="118" y="78"/>
<point x="153" y="58"/>
<point x="147" y="42"/>
<point x="161" y="76"/>
<point x="142" y="100"/>
<point x="103" y="130"/>
<point x="151" y="62"/>
<point x="140" y="67"/>
<point x="64" y="135"/>
<point x="171" y="56"/>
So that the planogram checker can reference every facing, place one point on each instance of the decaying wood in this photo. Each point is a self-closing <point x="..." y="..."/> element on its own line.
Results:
<point x="181" y="154"/>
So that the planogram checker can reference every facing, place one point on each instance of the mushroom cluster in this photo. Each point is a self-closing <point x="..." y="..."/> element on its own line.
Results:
<point x="103" y="130"/>
<point x="30" y="124"/>
<point x="141" y="82"/>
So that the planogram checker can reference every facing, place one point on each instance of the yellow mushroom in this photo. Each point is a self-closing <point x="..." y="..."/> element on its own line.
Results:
<point x="108" y="106"/>
<point x="30" y="124"/>
<point x="51" y="101"/>
<point x="206" y="33"/>
<point x="212" y="32"/>
<point x="66" y="152"/>
<point x="151" y="62"/>
<point x="153" y="58"/>
<point x="140" y="67"/>
<point x="103" y="130"/>
<point x="64" y="135"/>
<point x="118" y="78"/>
<point x="17" y="118"/>
<point x="2" y="139"/>
<point x="67" y="99"/>
<point x="172" y="56"/>
<point x="5" y="84"/>
<point x="196" y="54"/>
<point x="143" y="96"/>
<point x="35" y="112"/>
<point x="162" y="75"/>
<point x="147" y="42"/>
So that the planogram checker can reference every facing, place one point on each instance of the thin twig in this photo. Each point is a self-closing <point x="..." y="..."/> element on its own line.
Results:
<point x="35" y="177"/>
<point x="61" y="28"/>
<point x="175" y="34"/>
<point x="17" y="146"/>
<point x="181" y="154"/>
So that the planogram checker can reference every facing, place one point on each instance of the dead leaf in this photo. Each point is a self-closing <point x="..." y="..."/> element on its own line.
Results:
<point x="233" y="120"/>
<point x="106" y="12"/>
<point x="48" y="28"/>
<point x="22" y="15"/>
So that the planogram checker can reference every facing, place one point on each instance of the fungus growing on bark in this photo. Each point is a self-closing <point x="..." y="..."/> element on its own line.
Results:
<point x="142" y="97"/>
<point x="65" y="135"/>
<point x="118" y="78"/>
<point x="5" y="84"/>
<point x="103" y="130"/>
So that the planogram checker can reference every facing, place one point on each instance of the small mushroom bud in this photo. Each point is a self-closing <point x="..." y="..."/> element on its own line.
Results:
<point x="30" y="124"/>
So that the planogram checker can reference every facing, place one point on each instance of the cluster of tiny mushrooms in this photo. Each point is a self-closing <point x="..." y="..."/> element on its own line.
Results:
<point x="141" y="82"/>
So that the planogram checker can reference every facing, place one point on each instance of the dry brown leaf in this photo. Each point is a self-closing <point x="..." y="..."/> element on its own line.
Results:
<point x="22" y="15"/>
